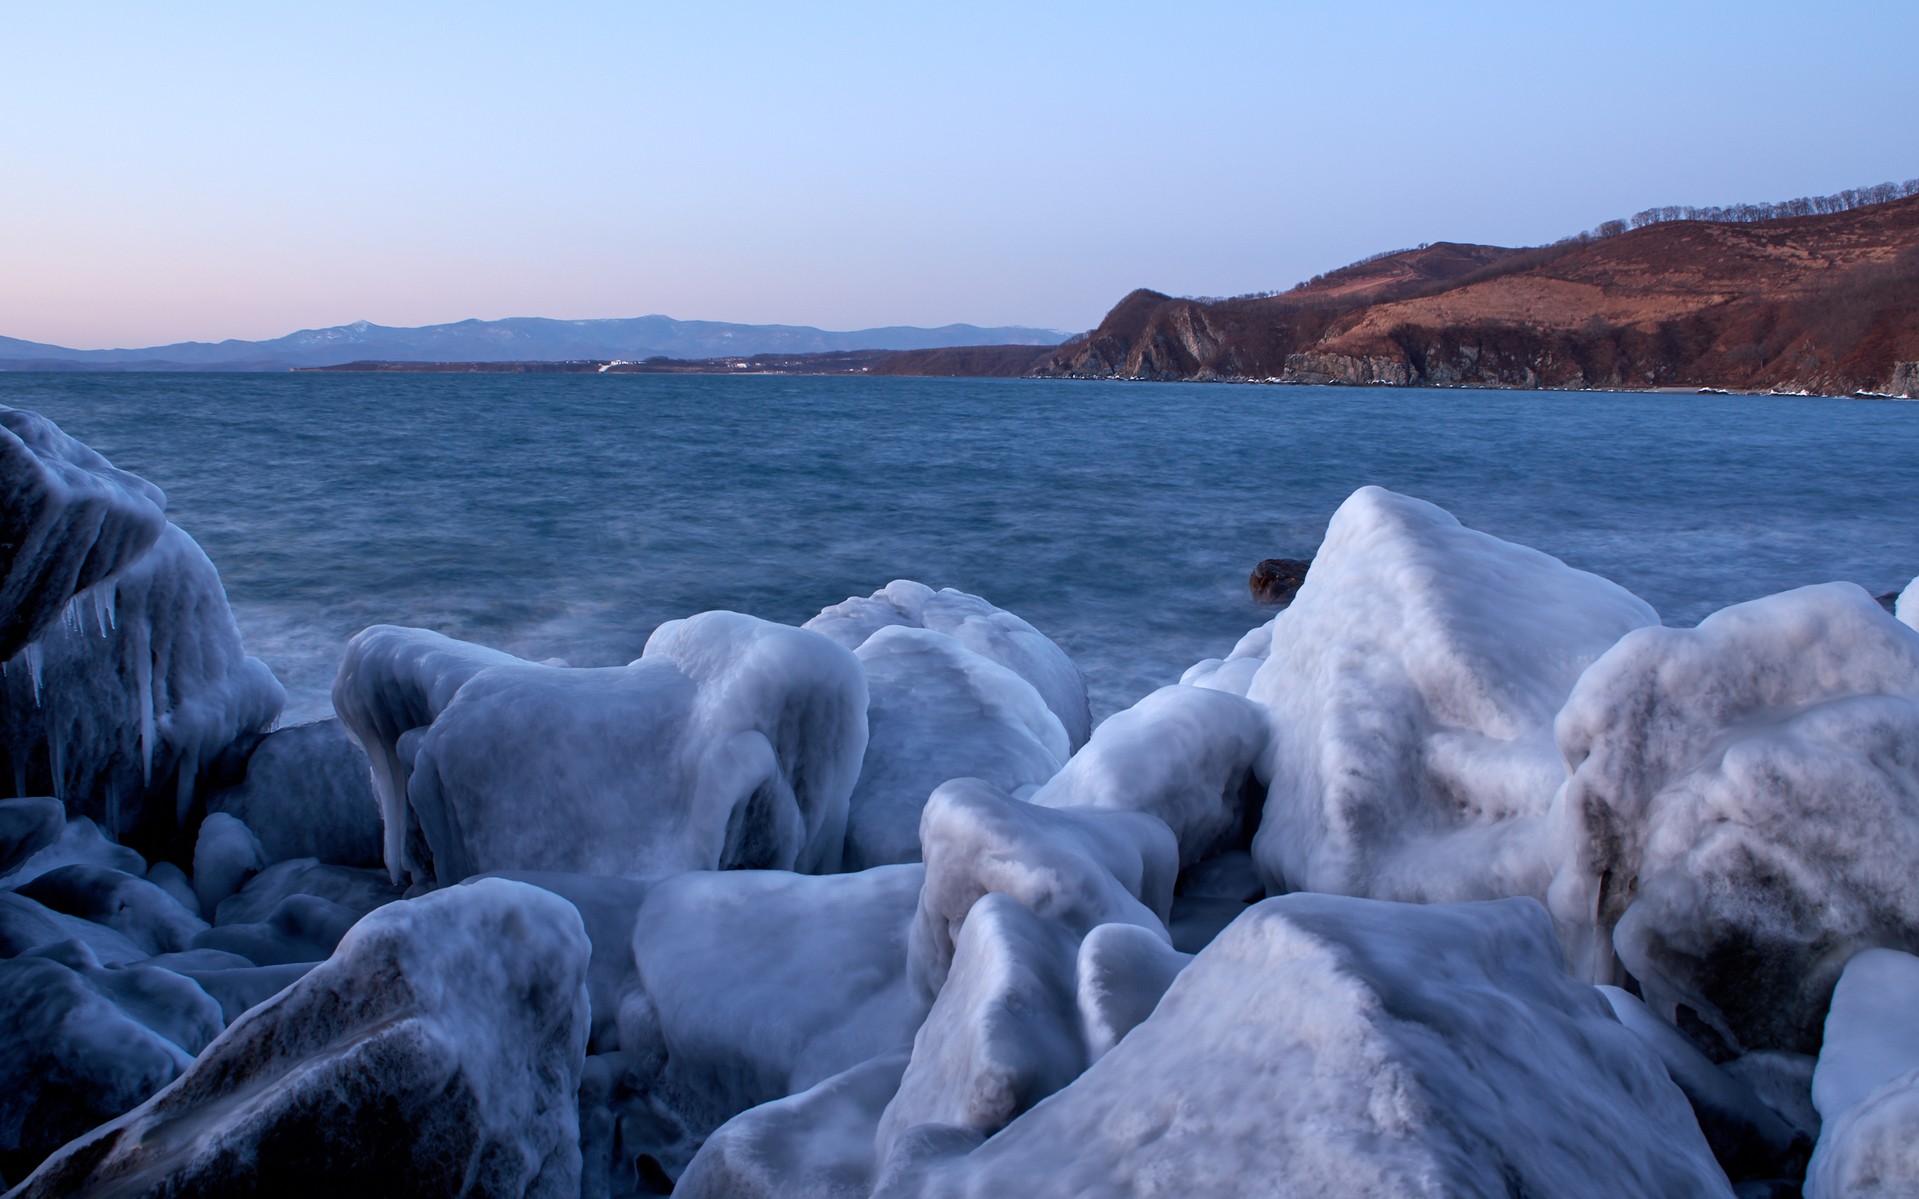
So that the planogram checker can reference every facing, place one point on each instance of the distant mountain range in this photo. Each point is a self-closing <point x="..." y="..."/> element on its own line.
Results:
<point x="517" y="339"/>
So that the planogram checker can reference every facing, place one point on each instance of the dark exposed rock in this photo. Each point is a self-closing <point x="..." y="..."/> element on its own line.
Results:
<point x="1276" y="581"/>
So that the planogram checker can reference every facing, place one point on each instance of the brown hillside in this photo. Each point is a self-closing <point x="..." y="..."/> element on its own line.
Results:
<point x="1824" y="303"/>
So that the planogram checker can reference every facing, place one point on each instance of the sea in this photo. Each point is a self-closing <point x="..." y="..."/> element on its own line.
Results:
<point x="565" y="516"/>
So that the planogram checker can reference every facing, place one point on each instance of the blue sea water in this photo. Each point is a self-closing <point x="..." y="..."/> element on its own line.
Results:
<point x="565" y="516"/>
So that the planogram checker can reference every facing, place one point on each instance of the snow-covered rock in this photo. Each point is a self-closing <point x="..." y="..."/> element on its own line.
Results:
<point x="121" y="708"/>
<point x="991" y="632"/>
<point x="1074" y="867"/>
<point x="68" y="518"/>
<point x="1413" y="685"/>
<point x="71" y="1057"/>
<point x="1328" y="1046"/>
<point x="307" y="793"/>
<point x="757" y="985"/>
<point x="1188" y="755"/>
<point x="938" y="711"/>
<point x="731" y="742"/>
<point x="1867" y="1083"/>
<point x="1743" y="811"/>
<point x="438" y="1052"/>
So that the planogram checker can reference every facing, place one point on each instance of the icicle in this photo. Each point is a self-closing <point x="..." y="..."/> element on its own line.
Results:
<point x="143" y="695"/>
<point x="32" y="652"/>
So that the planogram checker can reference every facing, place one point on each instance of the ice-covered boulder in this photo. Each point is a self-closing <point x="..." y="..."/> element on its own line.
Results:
<point x="938" y="711"/>
<point x="137" y="909"/>
<point x="27" y="925"/>
<point x="307" y="793"/>
<point x="438" y="1052"/>
<point x="610" y="909"/>
<point x="225" y="855"/>
<point x="80" y="1044"/>
<point x="1122" y="973"/>
<point x="1743" y="811"/>
<point x="1074" y="867"/>
<point x="817" y="1144"/>
<point x="1236" y="671"/>
<point x="1867" y="1082"/>
<point x="78" y="840"/>
<point x="122" y="708"/>
<point x="1906" y="608"/>
<point x="731" y="742"/>
<point x="68" y="520"/>
<point x="757" y="985"/>
<point x="1750" y="1139"/>
<point x="990" y="632"/>
<point x="1188" y="755"/>
<point x="28" y="826"/>
<point x="1413" y="684"/>
<point x="1328" y="1046"/>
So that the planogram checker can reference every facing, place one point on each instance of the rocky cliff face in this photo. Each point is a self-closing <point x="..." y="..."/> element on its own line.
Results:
<point x="1822" y="303"/>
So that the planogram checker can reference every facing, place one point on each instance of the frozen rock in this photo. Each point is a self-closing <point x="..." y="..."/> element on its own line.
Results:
<point x="817" y="1144"/>
<point x="71" y="1057"/>
<point x="308" y="793"/>
<point x="991" y="632"/>
<point x="731" y="742"/>
<point x="1122" y="974"/>
<point x="28" y="826"/>
<point x="1004" y="1032"/>
<point x="438" y="1052"/>
<point x="300" y="928"/>
<point x="610" y="908"/>
<point x="757" y="985"/>
<point x="1188" y="755"/>
<point x="1906" y="608"/>
<point x="1235" y="672"/>
<point x="123" y="707"/>
<point x="79" y="840"/>
<point x="1743" y="811"/>
<point x="1750" y="1140"/>
<point x="357" y="890"/>
<point x="69" y="520"/>
<point x="134" y="907"/>
<point x="1867" y="1082"/>
<point x="939" y="711"/>
<point x="225" y="856"/>
<point x="174" y="881"/>
<point x="234" y="982"/>
<point x="161" y="1000"/>
<point x="1329" y="1046"/>
<point x="1074" y="867"/>
<point x="26" y="925"/>
<point x="1413" y="685"/>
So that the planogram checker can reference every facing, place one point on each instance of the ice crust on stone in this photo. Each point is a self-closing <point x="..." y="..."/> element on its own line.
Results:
<point x="609" y="908"/>
<point x="1906" y="607"/>
<point x="27" y="826"/>
<point x="307" y="793"/>
<point x="1743" y="810"/>
<point x="1073" y="867"/>
<point x="1866" y="1085"/>
<point x="1188" y="755"/>
<point x="119" y="716"/>
<point x="1235" y="672"/>
<point x="131" y="906"/>
<point x="1413" y="684"/>
<point x="26" y="925"/>
<point x="79" y="840"/>
<point x="69" y="519"/>
<point x="757" y="985"/>
<point x="1122" y="973"/>
<point x="993" y="633"/>
<point x="437" y="1052"/>
<point x="730" y="742"/>
<point x="1329" y="1046"/>
<point x="225" y="855"/>
<point x="937" y="711"/>
<point x="1750" y="1140"/>
<point x="72" y="1057"/>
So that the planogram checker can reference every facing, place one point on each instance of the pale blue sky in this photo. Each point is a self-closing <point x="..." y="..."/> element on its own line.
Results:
<point x="209" y="170"/>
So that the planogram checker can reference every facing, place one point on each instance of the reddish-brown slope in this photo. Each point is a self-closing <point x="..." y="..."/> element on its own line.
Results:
<point x="1826" y="303"/>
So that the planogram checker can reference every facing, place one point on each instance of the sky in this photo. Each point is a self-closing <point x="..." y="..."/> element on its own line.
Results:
<point x="212" y="170"/>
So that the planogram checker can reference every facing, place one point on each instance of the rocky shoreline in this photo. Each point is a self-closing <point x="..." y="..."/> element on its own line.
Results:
<point x="1462" y="874"/>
